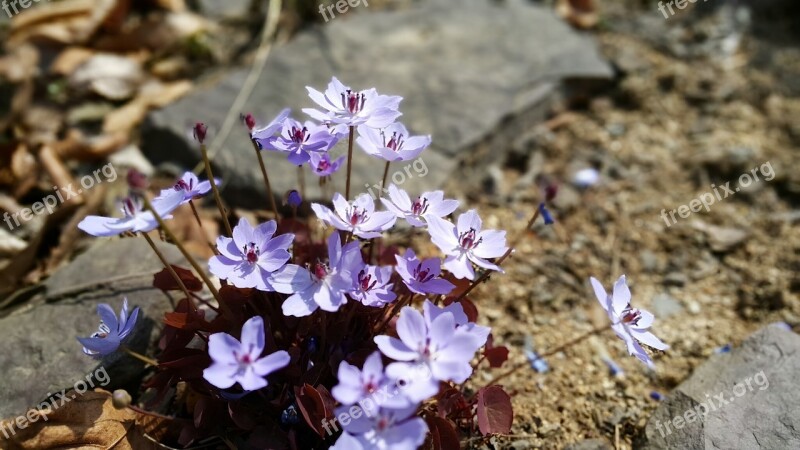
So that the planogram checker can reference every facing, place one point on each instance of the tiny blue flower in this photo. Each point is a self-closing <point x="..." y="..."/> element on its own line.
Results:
<point x="112" y="331"/>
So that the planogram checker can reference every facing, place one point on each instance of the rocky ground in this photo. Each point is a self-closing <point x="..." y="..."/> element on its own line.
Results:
<point x="683" y="104"/>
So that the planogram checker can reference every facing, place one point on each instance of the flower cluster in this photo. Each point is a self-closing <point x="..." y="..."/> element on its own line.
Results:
<point x="342" y="329"/>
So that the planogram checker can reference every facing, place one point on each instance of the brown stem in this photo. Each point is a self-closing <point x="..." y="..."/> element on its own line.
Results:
<point x="272" y="203"/>
<point x="140" y="357"/>
<point x="301" y="181"/>
<point x="170" y="269"/>
<point x="551" y="352"/>
<point x="217" y="198"/>
<point x="202" y="230"/>
<point x="183" y="250"/>
<point x="349" y="162"/>
<point x="385" y="175"/>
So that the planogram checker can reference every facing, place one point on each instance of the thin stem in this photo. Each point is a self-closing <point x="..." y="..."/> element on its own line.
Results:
<point x="217" y="198"/>
<point x="551" y="352"/>
<point x="183" y="250"/>
<point x="349" y="162"/>
<point x="508" y="252"/>
<point x="140" y="357"/>
<point x="170" y="269"/>
<point x="385" y="175"/>
<point x="301" y="181"/>
<point x="202" y="230"/>
<point x="272" y="203"/>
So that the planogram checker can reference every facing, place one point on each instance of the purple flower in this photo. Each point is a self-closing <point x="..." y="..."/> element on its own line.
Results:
<point x="322" y="166"/>
<point x="112" y="331"/>
<point x="436" y="341"/>
<point x="369" y="387"/>
<point x="191" y="186"/>
<point x="261" y="135"/>
<point x="293" y="199"/>
<point x="427" y="204"/>
<point x="389" y="429"/>
<point x="299" y="140"/>
<point x="249" y="258"/>
<point x="466" y="242"/>
<point x="343" y="107"/>
<point x="325" y="285"/>
<point x="630" y="324"/>
<point x="546" y="216"/>
<point x="135" y="218"/>
<point x="392" y="142"/>
<point x="422" y="277"/>
<point x="241" y="362"/>
<point x="358" y="217"/>
<point x="372" y="287"/>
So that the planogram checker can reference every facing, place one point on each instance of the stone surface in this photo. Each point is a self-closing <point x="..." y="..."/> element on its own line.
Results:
<point x="590" y="444"/>
<point x="41" y="354"/>
<point x="463" y="77"/>
<point x="762" y="416"/>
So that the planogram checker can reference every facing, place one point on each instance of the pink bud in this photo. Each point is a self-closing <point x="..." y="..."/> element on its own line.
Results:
<point x="200" y="130"/>
<point x="249" y="121"/>
<point x="137" y="181"/>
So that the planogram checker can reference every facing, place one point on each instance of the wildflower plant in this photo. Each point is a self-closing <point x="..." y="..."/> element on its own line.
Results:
<point x="335" y="341"/>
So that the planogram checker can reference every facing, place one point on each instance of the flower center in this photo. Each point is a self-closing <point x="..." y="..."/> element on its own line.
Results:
<point x="320" y="270"/>
<point x="422" y="276"/>
<point x="420" y="206"/>
<point x="323" y="165"/>
<point x="131" y="206"/>
<point x="467" y="239"/>
<point x="251" y="252"/>
<point x="183" y="186"/>
<point x="631" y="316"/>
<point x="395" y="142"/>
<point x="356" y="216"/>
<point x="298" y="135"/>
<point x="353" y="102"/>
<point x="365" y="281"/>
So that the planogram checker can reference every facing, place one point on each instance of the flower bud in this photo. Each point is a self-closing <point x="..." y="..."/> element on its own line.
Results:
<point x="137" y="181"/>
<point x="200" y="130"/>
<point x="249" y="121"/>
<point x="550" y="192"/>
<point x="121" y="399"/>
<point x="293" y="199"/>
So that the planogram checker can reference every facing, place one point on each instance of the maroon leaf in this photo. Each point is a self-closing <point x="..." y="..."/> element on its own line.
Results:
<point x="443" y="434"/>
<point x="469" y="308"/>
<point x="312" y="406"/>
<point x="496" y="356"/>
<point x="495" y="413"/>
<point x="166" y="282"/>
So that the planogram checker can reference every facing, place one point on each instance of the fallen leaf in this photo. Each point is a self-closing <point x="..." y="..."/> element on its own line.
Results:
<point x="495" y="413"/>
<point x="112" y="76"/>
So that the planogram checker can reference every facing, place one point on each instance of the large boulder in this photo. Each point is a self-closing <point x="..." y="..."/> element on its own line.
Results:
<point x="466" y="71"/>
<point x="746" y="399"/>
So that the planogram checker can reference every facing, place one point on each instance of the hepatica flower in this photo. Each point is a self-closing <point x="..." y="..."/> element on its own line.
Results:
<point x="190" y="186"/>
<point x="392" y="142"/>
<point x="389" y="429"/>
<point x="300" y="139"/>
<point x="322" y="165"/>
<point x="466" y="242"/>
<point x="422" y="277"/>
<point x="112" y="331"/>
<point x="263" y="134"/>
<point x="249" y="258"/>
<point x="372" y="287"/>
<point x="344" y="107"/>
<point x="369" y="387"/>
<point x="322" y="285"/>
<point x="427" y="204"/>
<point x="630" y="324"/>
<point x="358" y="217"/>
<point x="436" y="342"/>
<point x="240" y="362"/>
<point x="134" y="219"/>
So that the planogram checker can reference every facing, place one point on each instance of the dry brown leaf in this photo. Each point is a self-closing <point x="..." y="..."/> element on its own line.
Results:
<point x="59" y="174"/>
<point x="10" y="245"/>
<point x="77" y="146"/>
<point x="172" y="5"/>
<point x="88" y="420"/>
<point x="579" y="13"/>
<point x="112" y="76"/>
<point x="72" y="22"/>
<point x="70" y="59"/>
<point x="25" y="170"/>
<point x="153" y="94"/>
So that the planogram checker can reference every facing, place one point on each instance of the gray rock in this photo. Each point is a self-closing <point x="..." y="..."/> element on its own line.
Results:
<point x="465" y="79"/>
<point x="750" y="395"/>
<point x="665" y="305"/>
<point x="216" y="9"/>
<point x="41" y="354"/>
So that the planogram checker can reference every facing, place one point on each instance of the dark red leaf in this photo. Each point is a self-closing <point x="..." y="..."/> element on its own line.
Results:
<point x="166" y="282"/>
<point x="443" y="434"/>
<point x="469" y="308"/>
<point x="312" y="406"/>
<point x="495" y="413"/>
<point x="496" y="356"/>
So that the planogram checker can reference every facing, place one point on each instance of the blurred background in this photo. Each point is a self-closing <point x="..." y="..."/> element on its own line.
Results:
<point x="633" y="107"/>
